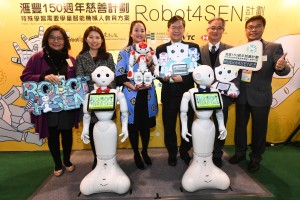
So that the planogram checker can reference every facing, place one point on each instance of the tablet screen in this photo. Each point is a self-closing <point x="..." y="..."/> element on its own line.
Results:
<point x="101" y="102"/>
<point x="207" y="100"/>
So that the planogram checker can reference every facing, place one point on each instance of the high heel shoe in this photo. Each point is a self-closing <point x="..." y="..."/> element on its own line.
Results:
<point x="138" y="162"/>
<point x="71" y="168"/>
<point x="58" y="173"/>
<point x="146" y="158"/>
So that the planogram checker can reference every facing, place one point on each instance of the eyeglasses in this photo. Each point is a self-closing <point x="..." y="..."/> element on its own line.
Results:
<point x="258" y="27"/>
<point x="179" y="28"/>
<point x="214" y="28"/>
<point x="59" y="39"/>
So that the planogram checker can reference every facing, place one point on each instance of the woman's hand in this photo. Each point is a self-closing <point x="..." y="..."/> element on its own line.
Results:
<point x="52" y="78"/>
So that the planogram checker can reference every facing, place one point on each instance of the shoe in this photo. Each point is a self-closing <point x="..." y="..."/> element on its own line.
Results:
<point x="253" y="166"/>
<point x="236" y="159"/>
<point x="186" y="158"/>
<point x="146" y="158"/>
<point x="138" y="162"/>
<point x="58" y="173"/>
<point x="172" y="161"/>
<point x="71" y="168"/>
<point x="217" y="161"/>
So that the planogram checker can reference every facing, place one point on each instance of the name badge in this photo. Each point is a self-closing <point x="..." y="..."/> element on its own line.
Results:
<point x="69" y="62"/>
<point x="264" y="58"/>
<point x="246" y="75"/>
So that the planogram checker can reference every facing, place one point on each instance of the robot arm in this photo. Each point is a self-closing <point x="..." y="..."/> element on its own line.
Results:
<point x="184" y="106"/>
<point x="222" y="129"/>
<point x="156" y="64"/>
<point x="124" y="116"/>
<point x="86" y="122"/>
<point x="130" y="65"/>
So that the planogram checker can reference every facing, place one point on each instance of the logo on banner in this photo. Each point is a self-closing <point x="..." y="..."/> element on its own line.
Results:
<point x="246" y="56"/>
<point x="47" y="97"/>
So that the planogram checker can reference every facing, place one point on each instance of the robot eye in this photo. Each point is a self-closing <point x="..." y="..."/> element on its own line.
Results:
<point x="220" y="73"/>
<point x="107" y="75"/>
<point x="98" y="75"/>
<point x="229" y="71"/>
<point x="181" y="50"/>
<point x="208" y="75"/>
<point x="173" y="51"/>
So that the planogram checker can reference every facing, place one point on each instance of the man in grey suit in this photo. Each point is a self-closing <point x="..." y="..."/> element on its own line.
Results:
<point x="256" y="96"/>
<point x="210" y="56"/>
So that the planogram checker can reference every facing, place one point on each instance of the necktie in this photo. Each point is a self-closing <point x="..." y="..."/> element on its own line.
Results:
<point x="213" y="49"/>
<point x="99" y="90"/>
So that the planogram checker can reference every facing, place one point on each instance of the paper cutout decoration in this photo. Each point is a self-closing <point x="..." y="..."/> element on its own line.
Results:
<point x="47" y="97"/>
<point x="178" y="60"/>
<point x="246" y="56"/>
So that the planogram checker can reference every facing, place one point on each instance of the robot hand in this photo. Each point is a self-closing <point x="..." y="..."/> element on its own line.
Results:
<point x="34" y="44"/>
<point x="223" y="134"/>
<point x="85" y="137"/>
<point x="125" y="136"/>
<point x="24" y="54"/>
<point x="184" y="135"/>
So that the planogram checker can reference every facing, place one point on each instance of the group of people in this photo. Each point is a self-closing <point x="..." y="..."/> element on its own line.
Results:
<point x="254" y="99"/>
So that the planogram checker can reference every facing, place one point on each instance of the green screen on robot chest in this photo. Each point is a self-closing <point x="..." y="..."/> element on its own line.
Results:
<point x="207" y="100"/>
<point x="101" y="102"/>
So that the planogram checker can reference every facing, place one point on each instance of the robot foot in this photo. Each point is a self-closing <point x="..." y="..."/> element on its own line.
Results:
<point x="203" y="174"/>
<point x="106" y="177"/>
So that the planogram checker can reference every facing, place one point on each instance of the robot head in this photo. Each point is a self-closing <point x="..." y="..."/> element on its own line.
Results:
<point x="45" y="98"/>
<point x="178" y="51"/>
<point x="142" y="48"/>
<point x="225" y="74"/>
<point x="203" y="75"/>
<point x="102" y="76"/>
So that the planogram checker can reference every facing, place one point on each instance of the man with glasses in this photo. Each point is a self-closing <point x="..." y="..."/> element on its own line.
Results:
<point x="256" y="96"/>
<point x="210" y="56"/>
<point x="172" y="91"/>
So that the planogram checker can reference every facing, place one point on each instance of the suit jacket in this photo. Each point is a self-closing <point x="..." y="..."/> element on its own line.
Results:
<point x="171" y="90"/>
<point x="205" y="60"/>
<point x="258" y="92"/>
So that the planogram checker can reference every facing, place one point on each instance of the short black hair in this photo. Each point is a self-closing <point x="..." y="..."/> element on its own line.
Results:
<point x="175" y="18"/>
<point x="254" y="18"/>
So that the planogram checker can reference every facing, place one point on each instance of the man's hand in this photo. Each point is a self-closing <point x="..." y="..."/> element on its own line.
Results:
<point x="281" y="63"/>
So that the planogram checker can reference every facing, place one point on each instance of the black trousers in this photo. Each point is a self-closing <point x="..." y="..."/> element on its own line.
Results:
<point x="259" y="130"/>
<point x="134" y="139"/>
<point x="219" y="144"/>
<point x="54" y="146"/>
<point x="170" y="112"/>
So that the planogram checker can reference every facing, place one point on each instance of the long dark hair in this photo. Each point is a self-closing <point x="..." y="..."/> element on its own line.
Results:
<point x="102" y="53"/>
<point x="47" y="33"/>
<point x="130" y="41"/>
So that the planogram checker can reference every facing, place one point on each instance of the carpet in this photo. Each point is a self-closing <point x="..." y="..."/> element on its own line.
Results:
<point x="159" y="181"/>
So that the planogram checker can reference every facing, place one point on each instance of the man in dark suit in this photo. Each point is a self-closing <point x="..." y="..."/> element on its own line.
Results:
<point x="210" y="56"/>
<point x="256" y="96"/>
<point x="173" y="88"/>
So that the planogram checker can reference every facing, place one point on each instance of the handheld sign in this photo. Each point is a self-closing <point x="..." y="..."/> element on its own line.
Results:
<point x="246" y="56"/>
<point x="207" y="101"/>
<point x="101" y="102"/>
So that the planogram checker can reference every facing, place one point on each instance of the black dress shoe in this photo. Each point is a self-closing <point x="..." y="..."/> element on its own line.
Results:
<point x="217" y="161"/>
<point x="186" y="158"/>
<point x="172" y="161"/>
<point x="253" y="166"/>
<point x="236" y="159"/>
<point x="138" y="162"/>
<point x="146" y="158"/>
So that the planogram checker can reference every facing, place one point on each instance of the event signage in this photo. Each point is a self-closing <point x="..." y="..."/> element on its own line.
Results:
<point x="47" y="97"/>
<point x="246" y="56"/>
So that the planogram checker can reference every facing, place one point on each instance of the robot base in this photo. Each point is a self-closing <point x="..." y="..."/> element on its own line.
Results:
<point x="106" y="177"/>
<point x="203" y="174"/>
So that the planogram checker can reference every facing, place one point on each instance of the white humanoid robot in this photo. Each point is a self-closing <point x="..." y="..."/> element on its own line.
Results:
<point x="202" y="173"/>
<point x="224" y="75"/>
<point x="107" y="175"/>
<point x="143" y="75"/>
